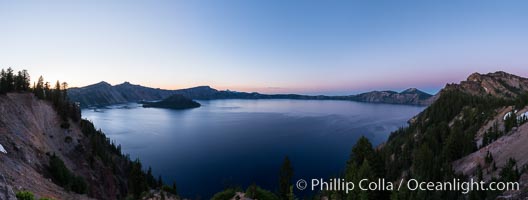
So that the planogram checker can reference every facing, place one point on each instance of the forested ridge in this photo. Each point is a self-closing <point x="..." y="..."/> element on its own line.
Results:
<point x="426" y="149"/>
<point x="103" y="155"/>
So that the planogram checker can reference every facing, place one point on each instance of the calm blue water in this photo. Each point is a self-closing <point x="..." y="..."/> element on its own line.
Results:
<point x="238" y="142"/>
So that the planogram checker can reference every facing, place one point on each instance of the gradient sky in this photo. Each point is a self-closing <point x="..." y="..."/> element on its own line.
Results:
<point x="310" y="47"/>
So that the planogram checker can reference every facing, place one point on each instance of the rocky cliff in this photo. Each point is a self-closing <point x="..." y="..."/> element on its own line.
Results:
<point x="30" y="129"/>
<point x="42" y="153"/>
<point x="509" y="143"/>
<point x="498" y="84"/>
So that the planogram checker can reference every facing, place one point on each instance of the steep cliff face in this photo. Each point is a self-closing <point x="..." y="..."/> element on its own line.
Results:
<point x="498" y="84"/>
<point x="30" y="132"/>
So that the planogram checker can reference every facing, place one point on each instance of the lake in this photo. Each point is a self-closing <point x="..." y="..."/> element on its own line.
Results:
<point x="239" y="142"/>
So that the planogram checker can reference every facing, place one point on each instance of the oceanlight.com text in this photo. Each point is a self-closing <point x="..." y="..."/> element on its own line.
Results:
<point x="411" y="184"/>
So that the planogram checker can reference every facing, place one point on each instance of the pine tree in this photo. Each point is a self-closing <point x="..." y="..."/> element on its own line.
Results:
<point x="64" y="89"/>
<point x="56" y="96"/>
<point x="47" y="91"/>
<point x="251" y="191"/>
<point x="10" y="80"/>
<point x="424" y="166"/>
<point x="351" y="174"/>
<point x="489" y="158"/>
<point x="285" y="178"/>
<point x="137" y="182"/>
<point x="150" y="178"/>
<point x="361" y="151"/>
<point x="39" y="89"/>
<point x="510" y="122"/>
<point x="174" y="188"/>
<point x="18" y="82"/>
<point x="160" y="182"/>
<point x="25" y="80"/>
<point x="365" y="172"/>
<point x="479" y="173"/>
<point x="510" y="172"/>
<point x="3" y="82"/>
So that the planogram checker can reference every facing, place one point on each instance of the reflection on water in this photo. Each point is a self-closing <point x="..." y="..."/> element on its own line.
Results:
<point x="239" y="142"/>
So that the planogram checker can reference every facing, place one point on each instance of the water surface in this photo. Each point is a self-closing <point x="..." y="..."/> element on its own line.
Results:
<point x="238" y="142"/>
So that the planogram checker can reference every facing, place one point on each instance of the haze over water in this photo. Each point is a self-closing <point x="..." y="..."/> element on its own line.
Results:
<point x="230" y="142"/>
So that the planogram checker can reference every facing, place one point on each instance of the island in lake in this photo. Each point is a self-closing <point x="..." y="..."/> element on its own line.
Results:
<point x="176" y="101"/>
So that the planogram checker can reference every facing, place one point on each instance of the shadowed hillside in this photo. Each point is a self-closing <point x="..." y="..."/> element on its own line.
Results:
<point x="49" y="151"/>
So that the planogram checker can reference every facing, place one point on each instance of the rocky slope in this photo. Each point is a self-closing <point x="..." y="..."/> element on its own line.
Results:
<point x="102" y="94"/>
<point x="498" y="84"/>
<point x="29" y="128"/>
<point x="31" y="132"/>
<point x="465" y="122"/>
<point x="512" y="143"/>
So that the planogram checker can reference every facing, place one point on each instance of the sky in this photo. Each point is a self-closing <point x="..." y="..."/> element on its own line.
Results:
<point x="271" y="46"/>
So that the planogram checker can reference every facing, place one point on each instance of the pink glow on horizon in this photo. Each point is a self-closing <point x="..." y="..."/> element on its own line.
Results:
<point x="428" y="82"/>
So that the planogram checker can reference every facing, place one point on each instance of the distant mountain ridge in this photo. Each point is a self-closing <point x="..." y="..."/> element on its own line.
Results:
<point x="410" y="96"/>
<point x="103" y="94"/>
